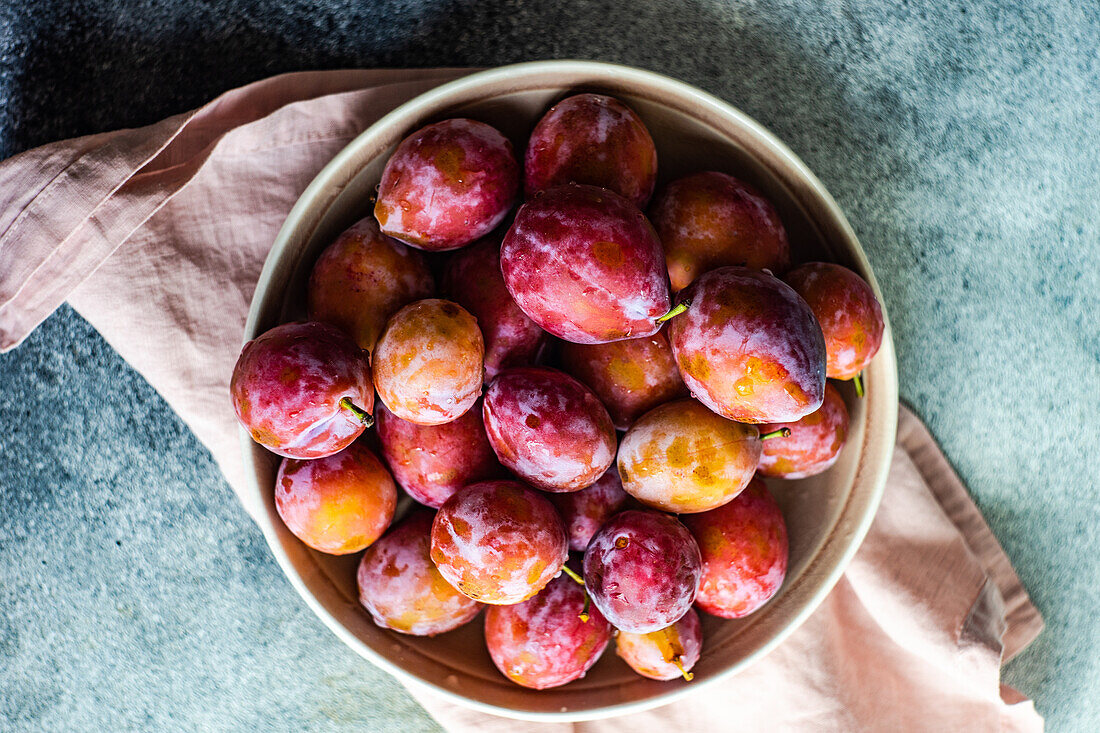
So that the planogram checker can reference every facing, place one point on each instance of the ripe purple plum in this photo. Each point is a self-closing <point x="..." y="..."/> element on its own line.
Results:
<point x="428" y="362"/>
<point x="596" y="140"/>
<point x="362" y="279"/>
<point x="814" y="442"/>
<point x="303" y="390"/>
<point x="585" y="511"/>
<point x="642" y="570"/>
<point x="585" y="264"/>
<point x="447" y="185"/>
<point x="542" y="642"/>
<point x="749" y="347"/>
<point x="339" y="504"/>
<point x="473" y="280"/>
<point x="682" y="458"/>
<point x="744" y="550"/>
<point x="548" y="428"/>
<point x="665" y="654"/>
<point x="401" y="587"/>
<point x="630" y="377"/>
<point x="498" y="542"/>
<point x="709" y="220"/>
<point x="431" y="462"/>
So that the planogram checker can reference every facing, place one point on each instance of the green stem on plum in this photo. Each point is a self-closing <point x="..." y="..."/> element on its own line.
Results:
<point x="688" y="676"/>
<point x="857" y="380"/>
<point x="572" y="574"/>
<point x="779" y="433"/>
<point x="675" y="311"/>
<point x="364" y="417"/>
<point x="583" y="616"/>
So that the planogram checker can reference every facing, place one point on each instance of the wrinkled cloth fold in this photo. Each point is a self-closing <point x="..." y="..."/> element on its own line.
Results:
<point x="157" y="236"/>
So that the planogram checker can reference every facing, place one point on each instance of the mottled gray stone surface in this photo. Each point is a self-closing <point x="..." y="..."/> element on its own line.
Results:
<point x="960" y="138"/>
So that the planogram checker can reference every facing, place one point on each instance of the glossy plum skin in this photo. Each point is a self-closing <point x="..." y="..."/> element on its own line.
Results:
<point x="654" y="655"/>
<point x="642" y="570"/>
<point x="432" y="462"/>
<point x="498" y="542"/>
<point x="813" y="445"/>
<point x="595" y="140"/>
<point x="849" y="314"/>
<point x="585" y="511"/>
<point x="473" y="280"/>
<point x="630" y="377"/>
<point x="749" y="347"/>
<point x="339" y="504"/>
<point x="744" y="549"/>
<point x="586" y="265"/>
<point x="542" y="642"/>
<point x="402" y="589"/>
<point x="428" y="362"/>
<point x="362" y="279"/>
<point x="709" y="220"/>
<point x="682" y="458"/>
<point x="287" y="386"/>
<point x="548" y="428"/>
<point x="447" y="185"/>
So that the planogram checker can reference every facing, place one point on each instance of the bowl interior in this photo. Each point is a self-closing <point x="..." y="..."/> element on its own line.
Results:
<point x="827" y="515"/>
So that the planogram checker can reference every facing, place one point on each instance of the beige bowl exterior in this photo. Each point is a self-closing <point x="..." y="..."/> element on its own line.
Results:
<point x="827" y="515"/>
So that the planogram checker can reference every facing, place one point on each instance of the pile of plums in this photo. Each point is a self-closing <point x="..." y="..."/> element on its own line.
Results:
<point x="580" y="376"/>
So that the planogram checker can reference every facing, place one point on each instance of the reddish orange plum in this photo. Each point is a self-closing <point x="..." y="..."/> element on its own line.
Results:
<point x="813" y="445"/>
<point x="362" y="279"/>
<point x="748" y="347"/>
<point x="585" y="511"/>
<point x="630" y="377"/>
<point x="473" y="280"/>
<point x="338" y="504"/>
<point x="498" y="542"/>
<point x="848" y="311"/>
<point x="431" y="462"/>
<point x="709" y="220"/>
<point x="447" y="185"/>
<point x="548" y="428"/>
<point x="303" y="390"/>
<point x="428" y="362"/>
<point x="682" y="458"/>
<point x="592" y="139"/>
<point x="744" y="548"/>
<point x="666" y="654"/>
<point x="542" y="642"/>
<point x="586" y="265"/>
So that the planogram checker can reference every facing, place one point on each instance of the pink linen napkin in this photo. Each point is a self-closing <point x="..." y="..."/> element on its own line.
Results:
<point x="157" y="237"/>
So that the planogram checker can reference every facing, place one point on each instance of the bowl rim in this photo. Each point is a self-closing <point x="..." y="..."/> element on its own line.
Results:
<point x="427" y="101"/>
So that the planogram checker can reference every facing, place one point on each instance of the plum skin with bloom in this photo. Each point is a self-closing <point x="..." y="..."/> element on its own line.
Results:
<point x="585" y="511"/>
<point x="813" y="445"/>
<point x="664" y="654"/>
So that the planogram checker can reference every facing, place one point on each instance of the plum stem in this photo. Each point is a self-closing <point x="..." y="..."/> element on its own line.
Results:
<point x="364" y="417"/>
<point x="857" y="380"/>
<point x="572" y="574"/>
<point x="676" y="310"/>
<point x="778" y="433"/>
<point x="583" y="616"/>
<point x="688" y="676"/>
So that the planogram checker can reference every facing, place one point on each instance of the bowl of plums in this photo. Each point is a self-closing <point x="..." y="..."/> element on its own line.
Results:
<point x="567" y="390"/>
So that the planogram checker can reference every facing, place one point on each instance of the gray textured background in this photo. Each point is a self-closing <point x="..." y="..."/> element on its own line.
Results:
<point x="960" y="138"/>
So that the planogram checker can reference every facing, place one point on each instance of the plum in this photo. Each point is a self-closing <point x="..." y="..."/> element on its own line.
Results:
<point x="744" y="550"/>
<point x="630" y="377"/>
<point x="431" y="462"/>
<point x="642" y="570"/>
<point x="548" y="428"/>
<point x="592" y="139"/>
<point x="683" y="458"/>
<point x="586" y="266"/>
<point x="428" y="362"/>
<point x="709" y="220"/>
<point x="814" y="442"/>
<point x="542" y="642"/>
<point x="498" y="542"/>
<point x="849" y="314"/>
<point x="473" y="280"/>
<point x="362" y="279"/>
<point x="748" y="347"/>
<point x="665" y="654"/>
<point x="401" y="587"/>
<point x="585" y="511"/>
<point x="447" y="185"/>
<point x="303" y="390"/>
<point x="338" y="504"/>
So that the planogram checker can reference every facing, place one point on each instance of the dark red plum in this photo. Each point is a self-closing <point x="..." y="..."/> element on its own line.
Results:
<point x="666" y="654"/>
<point x="585" y="511"/>
<point x="814" y="442"/>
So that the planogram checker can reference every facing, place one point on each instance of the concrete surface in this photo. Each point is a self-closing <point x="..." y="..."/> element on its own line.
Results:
<point x="960" y="137"/>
